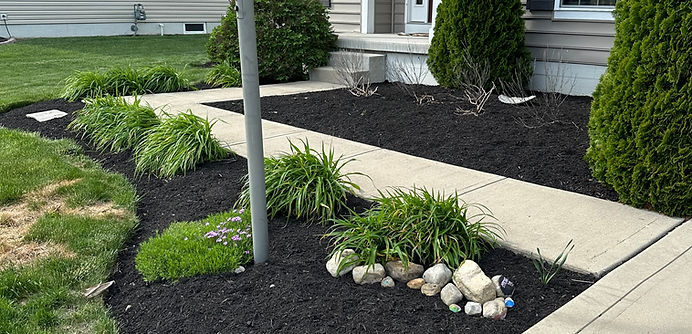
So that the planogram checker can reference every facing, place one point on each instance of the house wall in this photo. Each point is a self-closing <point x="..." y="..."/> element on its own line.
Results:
<point x="345" y="15"/>
<point x="52" y="18"/>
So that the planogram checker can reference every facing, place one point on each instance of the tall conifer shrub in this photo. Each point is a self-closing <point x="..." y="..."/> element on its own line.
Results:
<point x="493" y="30"/>
<point x="641" y="117"/>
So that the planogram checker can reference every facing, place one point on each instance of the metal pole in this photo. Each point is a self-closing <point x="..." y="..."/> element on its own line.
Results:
<point x="247" y="39"/>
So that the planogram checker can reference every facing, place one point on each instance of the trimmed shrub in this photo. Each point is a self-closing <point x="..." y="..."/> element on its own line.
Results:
<point x="220" y="243"/>
<point x="224" y="75"/>
<point x="177" y="145"/>
<point x="112" y="124"/>
<point x="304" y="184"/>
<point x="641" y="120"/>
<point x="293" y="36"/>
<point x="124" y="81"/>
<point x="416" y="225"/>
<point x="492" y="30"/>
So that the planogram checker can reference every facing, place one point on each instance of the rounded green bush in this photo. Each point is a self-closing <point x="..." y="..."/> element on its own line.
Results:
<point x="293" y="36"/>
<point x="493" y="30"/>
<point x="641" y="118"/>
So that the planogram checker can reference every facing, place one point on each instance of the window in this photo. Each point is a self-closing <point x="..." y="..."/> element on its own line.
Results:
<point x="194" y="28"/>
<point x="610" y="3"/>
<point x="589" y="10"/>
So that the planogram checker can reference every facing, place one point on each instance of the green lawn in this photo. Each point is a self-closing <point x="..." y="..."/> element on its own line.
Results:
<point x="33" y="69"/>
<point x="92" y="222"/>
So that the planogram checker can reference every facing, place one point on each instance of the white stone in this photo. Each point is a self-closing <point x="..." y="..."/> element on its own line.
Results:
<point x="495" y="309"/>
<point x="496" y="283"/>
<point x="387" y="282"/>
<point x="47" y="115"/>
<point x="239" y="270"/>
<point x="398" y="272"/>
<point x="333" y="263"/>
<point x="430" y="289"/>
<point x="473" y="308"/>
<point x="450" y="294"/>
<point x="473" y="283"/>
<point x="438" y="274"/>
<point x="368" y="274"/>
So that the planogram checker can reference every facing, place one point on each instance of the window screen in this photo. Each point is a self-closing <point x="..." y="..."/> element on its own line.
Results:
<point x="588" y="2"/>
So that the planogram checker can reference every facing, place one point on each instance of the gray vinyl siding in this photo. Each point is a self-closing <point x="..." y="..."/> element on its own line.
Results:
<point x="345" y="15"/>
<point x="102" y="11"/>
<point x="383" y="16"/>
<point x="568" y="41"/>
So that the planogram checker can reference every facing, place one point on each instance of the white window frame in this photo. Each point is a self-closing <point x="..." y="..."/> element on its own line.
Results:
<point x="590" y="13"/>
<point x="192" y="32"/>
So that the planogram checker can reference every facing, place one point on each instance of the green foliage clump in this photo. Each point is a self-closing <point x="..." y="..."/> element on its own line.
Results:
<point x="220" y="243"/>
<point x="416" y="225"/>
<point x="177" y="145"/>
<point x="293" y="36"/>
<point x="641" y="121"/>
<point x="113" y="124"/>
<point x="304" y="184"/>
<point x="124" y="81"/>
<point x="224" y="75"/>
<point x="492" y="30"/>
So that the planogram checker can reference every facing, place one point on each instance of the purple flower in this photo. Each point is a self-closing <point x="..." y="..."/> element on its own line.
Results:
<point x="207" y="224"/>
<point x="211" y="234"/>
<point x="247" y="252"/>
<point x="237" y="219"/>
<point x="219" y="240"/>
<point x="241" y="211"/>
<point x="235" y="238"/>
<point x="225" y="243"/>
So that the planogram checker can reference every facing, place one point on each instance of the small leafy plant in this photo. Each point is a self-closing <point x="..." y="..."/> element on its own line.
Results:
<point x="112" y="124"/>
<point x="223" y="75"/>
<point x="219" y="243"/>
<point x="305" y="184"/>
<point x="547" y="273"/>
<point x="84" y="84"/>
<point x="177" y="145"/>
<point x="163" y="78"/>
<point x="416" y="225"/>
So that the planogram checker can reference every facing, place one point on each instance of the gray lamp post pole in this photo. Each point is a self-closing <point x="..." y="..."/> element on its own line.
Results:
<point x="247" y="39"/>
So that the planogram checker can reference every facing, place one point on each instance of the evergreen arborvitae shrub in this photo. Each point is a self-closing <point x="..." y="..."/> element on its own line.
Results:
<point x="493" y="30"/>
<point x="641" y="117"/>
<point x="293" y="36"/>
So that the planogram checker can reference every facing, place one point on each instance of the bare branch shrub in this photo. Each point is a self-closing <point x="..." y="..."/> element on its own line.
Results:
<point x="352" y="73"/>
<point x="409" y="74"/>
<point x="474" y="80"/>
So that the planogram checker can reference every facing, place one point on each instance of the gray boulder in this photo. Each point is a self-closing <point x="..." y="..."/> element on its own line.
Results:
<point x="473" y="308"/>
<point x="368" y="274"/>
<point x="495" y="309"/>
<point x="387" y="282"/>
<point x="430" y="289"/>
<point x="450" y="294"/>
<point x="398" y="272"/>
<point x="333" y="263"/>
<point x="438" y="274"/>
<point x="473" y="283"/>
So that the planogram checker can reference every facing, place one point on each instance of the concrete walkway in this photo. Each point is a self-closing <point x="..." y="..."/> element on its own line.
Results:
<point x="605" y="233"/>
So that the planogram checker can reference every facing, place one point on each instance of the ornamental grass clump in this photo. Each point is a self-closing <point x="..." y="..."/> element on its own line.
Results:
<point x="177" y="145"/>
<point x="223" y="75"/>
<point x="220" y="243"/>
<point x="417" y="225"/>
<point x="305" y="184"/>
<point x="112" y="124"/>
<point x="124" y="81"/>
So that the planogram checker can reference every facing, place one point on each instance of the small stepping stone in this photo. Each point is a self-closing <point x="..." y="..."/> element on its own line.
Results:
<point x="44" y="116"/>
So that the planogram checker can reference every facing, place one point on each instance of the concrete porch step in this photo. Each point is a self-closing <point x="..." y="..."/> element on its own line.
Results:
<point x="349" y="65"/>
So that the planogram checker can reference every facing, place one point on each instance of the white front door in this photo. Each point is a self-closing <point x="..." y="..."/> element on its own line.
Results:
<point x="417" y="14"/>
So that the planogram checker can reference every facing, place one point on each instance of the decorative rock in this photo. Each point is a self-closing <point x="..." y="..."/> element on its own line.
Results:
<point x="495" y="309"/>
<point x="454" y="308"/>
<point x="368" y="274"/>
<point x="333" y="263"/>
<point x="473" y="308"/>
<point x="387" y="282"/>
<point x="239" y="270"/>
<point x="438" y="274"/>
<point x="473" y="283"/>
<point x="509" y="302"/>
<point x="450" y="294"/>
<point x="415" y="283"/>
<point x="398" y="272"/>
<point x="503" y="286"/>
<point x="430" y="289"/>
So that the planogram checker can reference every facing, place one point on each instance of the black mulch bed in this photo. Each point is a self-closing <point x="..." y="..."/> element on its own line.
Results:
<point x="304" y="297"/>
<point x="494" y="142"/>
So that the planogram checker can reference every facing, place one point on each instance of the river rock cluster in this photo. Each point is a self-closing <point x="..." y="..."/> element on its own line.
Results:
<point x="484" y="296"/>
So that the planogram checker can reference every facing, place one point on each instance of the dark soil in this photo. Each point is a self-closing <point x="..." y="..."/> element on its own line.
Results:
<point x="292" y="293"/>
<point x="494" y="142"/>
